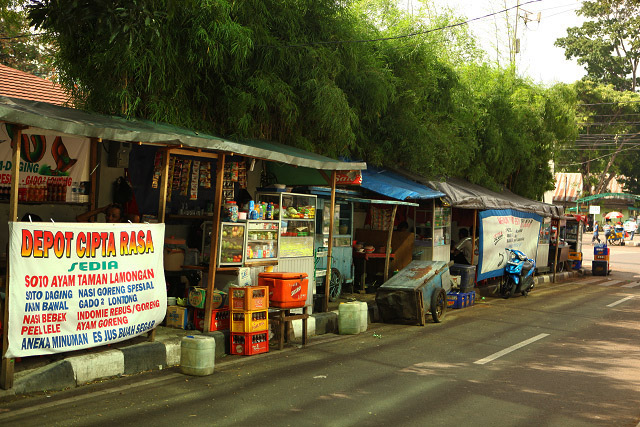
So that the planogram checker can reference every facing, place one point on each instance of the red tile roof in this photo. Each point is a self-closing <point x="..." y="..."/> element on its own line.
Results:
<point x="18" y="84"/>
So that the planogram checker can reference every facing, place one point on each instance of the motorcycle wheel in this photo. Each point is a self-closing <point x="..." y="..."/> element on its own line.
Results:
<point x="438" y="305"/>
<point x="509" y="288"/>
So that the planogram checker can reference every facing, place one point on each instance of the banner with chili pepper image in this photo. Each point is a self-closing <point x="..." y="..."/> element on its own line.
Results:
<point x="49" y="163"/>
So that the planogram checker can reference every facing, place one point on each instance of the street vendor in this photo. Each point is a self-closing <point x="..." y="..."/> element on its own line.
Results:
<point x="113" y="213"/>
<point x="462" y="252"/>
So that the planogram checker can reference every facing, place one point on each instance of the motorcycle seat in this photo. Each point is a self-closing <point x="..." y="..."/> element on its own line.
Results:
<point x="527" y="266"/>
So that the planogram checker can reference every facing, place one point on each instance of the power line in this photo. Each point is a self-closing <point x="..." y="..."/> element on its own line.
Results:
<point x="611" y="103"/>
<point x="416" y="33"/>
<point x="599" y="157"/>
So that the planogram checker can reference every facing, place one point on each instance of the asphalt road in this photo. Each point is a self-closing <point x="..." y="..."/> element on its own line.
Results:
<point x="566" y="355"/>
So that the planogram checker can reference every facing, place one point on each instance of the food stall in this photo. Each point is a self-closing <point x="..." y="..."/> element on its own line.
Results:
<point x="168" y="141"/>
<point x="296" y="216"/>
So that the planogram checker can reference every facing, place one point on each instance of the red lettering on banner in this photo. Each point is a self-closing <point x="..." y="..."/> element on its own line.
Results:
<point x="40" y="329"/>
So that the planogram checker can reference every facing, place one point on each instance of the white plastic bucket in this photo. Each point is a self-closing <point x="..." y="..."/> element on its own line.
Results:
<point x="171" y="301"/>
<point x="197" y="355"/>
<point x="349" y="318"/>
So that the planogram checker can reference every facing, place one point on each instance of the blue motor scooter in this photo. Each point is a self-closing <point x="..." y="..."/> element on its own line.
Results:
<point x="518" y="275"/>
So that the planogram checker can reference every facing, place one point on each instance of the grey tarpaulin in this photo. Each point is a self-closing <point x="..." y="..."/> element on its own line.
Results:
<point x="91" y="125"/>
<point x="462" y="194"/>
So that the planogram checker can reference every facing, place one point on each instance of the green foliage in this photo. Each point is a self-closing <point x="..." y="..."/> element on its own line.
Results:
<point x="274" y="69"/>
<point x="608" y="43"/>
<point x="608" y="140"/>
<point x="20" y="48"/>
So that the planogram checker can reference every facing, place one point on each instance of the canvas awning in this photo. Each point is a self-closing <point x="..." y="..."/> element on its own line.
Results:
<point x="91" y="125"/>
<point x="391" y="184"/>
<point x="462" y="194"/>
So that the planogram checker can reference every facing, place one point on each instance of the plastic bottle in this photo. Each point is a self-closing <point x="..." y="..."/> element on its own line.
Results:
<point x="270" y="211"/>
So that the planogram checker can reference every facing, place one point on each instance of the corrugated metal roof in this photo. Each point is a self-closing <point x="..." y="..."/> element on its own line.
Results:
<point x="91" y="125"/>
<point x="18" y="84"/>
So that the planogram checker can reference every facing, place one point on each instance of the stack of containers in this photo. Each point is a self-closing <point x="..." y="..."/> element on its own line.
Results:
<point x="600" y="265"/>
<point x="249" y="319"/>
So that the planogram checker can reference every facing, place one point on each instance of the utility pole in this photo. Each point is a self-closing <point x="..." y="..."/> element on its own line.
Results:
<point x="515" y="41"/>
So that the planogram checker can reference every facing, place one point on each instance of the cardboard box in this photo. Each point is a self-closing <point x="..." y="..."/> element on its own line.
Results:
<point x="177" y="317"/>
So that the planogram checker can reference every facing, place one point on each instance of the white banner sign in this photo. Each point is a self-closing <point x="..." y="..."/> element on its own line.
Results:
<point x="594" y="210"/>
<point x="45" y="160"/>
<point x="75" y="286"/>
<point x="501" y="229"/>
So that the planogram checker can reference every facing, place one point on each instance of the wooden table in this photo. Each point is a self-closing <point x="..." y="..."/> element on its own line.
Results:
<point x="284" y="317"/>
<point x="364" y="257"/>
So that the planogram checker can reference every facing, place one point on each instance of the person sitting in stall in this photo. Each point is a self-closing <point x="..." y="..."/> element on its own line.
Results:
<point x="113" y="213"/>
<point x="462" y="251"/>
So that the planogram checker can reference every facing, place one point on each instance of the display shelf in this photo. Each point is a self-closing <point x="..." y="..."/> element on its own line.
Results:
<point x="232" y="244"/>
<point x="259" y="250"/>
<point x="292" y="246"/>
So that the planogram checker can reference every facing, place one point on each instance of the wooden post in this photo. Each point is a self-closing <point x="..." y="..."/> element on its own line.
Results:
<point x="389" y="237"/>
<point x="162" y="205"/>
<point x="164" y="183"/>
<point x="555" y="262"/>
<point x="473" y="236"/>
<point x="6" y="375"/>
<point x="327" y="279"/>
<point x="93" y="177"/>
<point x="213" y="252"/>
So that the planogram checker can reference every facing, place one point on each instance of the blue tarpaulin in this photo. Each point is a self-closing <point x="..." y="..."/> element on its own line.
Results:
<point x="393" y="185"/>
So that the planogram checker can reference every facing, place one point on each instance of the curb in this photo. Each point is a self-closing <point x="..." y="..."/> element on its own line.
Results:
<point x="75" y="371"/>
<point x="565" y="275"/>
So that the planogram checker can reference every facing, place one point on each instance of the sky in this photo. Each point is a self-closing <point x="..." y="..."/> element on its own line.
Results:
<point x="539" y="59"/>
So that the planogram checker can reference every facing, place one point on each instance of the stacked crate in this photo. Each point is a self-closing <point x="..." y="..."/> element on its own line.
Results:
<point x="600" y="264"/>
<point x="249" y="319"/>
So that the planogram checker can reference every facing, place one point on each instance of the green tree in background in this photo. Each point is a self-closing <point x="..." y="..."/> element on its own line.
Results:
<point x="608" y="136"/>
<point x="19" y="48"/>
<point x="337" y="78"/>
<point x="608" y="43"/>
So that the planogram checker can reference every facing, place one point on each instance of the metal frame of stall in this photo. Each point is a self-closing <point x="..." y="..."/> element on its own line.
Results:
<point x="24" y="114"/>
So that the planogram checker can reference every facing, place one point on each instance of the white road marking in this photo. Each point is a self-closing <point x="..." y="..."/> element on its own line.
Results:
<point x="508" y="350"/>
<point x="613" y="304"/>
<point x="631" y="285"/>
<point x="609" y="283"/>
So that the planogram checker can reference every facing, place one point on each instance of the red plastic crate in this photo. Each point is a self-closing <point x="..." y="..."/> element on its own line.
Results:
<point x="220" y="319"/>
<point x="249" y="321"/>
<point x="249" y="298"/>
<point x="250" y="344"/>
<point x="286" y="290"/>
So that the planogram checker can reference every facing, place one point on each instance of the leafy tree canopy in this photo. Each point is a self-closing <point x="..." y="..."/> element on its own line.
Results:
<point x="19" y="48"/>
<point x="608" y="43"/>
<point x="608" y="137"/>
<point x="308" y="73"/>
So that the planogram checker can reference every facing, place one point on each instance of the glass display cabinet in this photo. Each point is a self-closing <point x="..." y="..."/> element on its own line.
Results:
<point x="231" y="251"/>
<point x="262" y="241"/>
<point x="296" y="214"/>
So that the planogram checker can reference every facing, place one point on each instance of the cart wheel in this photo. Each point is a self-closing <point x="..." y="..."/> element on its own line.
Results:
<point x="560" y="268"/>
<point x="335" y="285"/>
<point x="438" y="305"/>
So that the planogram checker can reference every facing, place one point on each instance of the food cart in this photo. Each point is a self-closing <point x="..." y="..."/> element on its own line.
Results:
<point x="416" y="291"/>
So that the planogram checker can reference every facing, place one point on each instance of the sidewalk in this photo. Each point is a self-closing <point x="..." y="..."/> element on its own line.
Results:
<point x="63" y="371"/>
